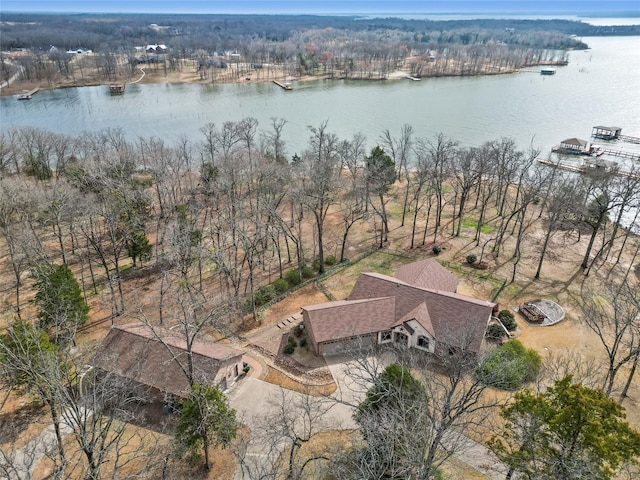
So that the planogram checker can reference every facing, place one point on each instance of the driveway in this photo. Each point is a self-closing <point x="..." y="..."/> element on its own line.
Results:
<point x="253" y="398"/>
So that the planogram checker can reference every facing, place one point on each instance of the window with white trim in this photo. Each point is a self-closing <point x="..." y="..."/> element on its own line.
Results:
<point x="423" y="342"/>
<point x="386" y="336"/>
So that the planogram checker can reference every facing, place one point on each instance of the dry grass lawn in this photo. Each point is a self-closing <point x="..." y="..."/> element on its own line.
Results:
<point x="143" y="455"/>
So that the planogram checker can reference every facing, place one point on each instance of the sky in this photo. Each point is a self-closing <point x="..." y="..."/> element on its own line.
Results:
<point x="565" y="7"/>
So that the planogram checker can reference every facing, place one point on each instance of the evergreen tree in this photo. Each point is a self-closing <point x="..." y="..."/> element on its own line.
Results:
<point x="138" y="247"/>
<point x="569" y="432"/>
<point x="394" y="423"/>
<point x="60" y="302"/>
<point x="381" y="174"/>
<point x="205" y="419"/>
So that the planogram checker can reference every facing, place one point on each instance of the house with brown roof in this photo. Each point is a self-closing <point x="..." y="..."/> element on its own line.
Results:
<point x="576" y="146"/>
<point x="158" y="359"/>
<point x="428" y="274"/>
<point x="418" y="308"/>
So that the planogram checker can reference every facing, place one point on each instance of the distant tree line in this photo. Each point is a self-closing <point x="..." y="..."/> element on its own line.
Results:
<point x="110" y="32"/>
<point x="336" y="47"/>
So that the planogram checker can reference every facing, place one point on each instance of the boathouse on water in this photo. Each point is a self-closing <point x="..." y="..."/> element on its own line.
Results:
<point x="606" y="133"/>
<point x="574" y="145"/>
<point x="116" y="88"/>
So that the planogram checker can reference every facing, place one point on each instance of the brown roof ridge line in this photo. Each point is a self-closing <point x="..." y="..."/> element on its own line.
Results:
<point x="344" y="303"/>
<point x="177" y="341"/>
<point x="444" y="293"/>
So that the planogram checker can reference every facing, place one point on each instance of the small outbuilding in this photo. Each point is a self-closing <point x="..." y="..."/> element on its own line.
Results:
<point x="157" y="359"/>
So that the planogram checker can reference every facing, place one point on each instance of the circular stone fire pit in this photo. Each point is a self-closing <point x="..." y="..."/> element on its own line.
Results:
<point x="541" y="312"/>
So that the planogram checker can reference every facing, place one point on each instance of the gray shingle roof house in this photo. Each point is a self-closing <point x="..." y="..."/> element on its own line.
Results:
<point x="418" y="308"/>
<point x="134" y="352"/>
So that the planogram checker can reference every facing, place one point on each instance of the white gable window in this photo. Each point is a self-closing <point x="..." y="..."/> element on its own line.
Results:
<point x="385" y="336"/>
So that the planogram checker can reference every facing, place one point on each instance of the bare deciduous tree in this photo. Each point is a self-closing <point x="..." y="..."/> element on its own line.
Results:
<point x="613" y="315"/>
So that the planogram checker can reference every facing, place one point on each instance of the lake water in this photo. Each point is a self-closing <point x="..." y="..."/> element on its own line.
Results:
<point x="600" y="86"/>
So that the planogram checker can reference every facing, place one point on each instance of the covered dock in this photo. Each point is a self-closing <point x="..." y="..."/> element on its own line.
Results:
<point x="606" y="133"/>
<point x="116" y="88"/>
<point x="613" y="133"/>
<point x="575" y="146"/>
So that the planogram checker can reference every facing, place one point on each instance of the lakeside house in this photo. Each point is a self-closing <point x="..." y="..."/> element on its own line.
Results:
<point x="79" y="51"/>
<point x="155" y="48"/>
<point x="156" y="358"/>
<point x="418" y="308"/>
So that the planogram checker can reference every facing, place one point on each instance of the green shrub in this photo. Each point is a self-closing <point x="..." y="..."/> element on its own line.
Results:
<point x="292" y="277"/>
<point x="264" y="295"/>
<point x="292" y="341"/>
<point x="495" y="331"/>
<point x="307" y="272"/>
<point x="508" y="319"/>
<point x="510" y="366"/>
<point x="436" y="250"/>
<point x="280" y="285"/>
<point x="289" y="348"/>
<point x="471" y="259"/>
<point x="303" y="342"/>
<point x="328" y="261"/>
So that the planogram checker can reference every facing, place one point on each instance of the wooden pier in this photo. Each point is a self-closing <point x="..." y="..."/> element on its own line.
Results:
<point x="28" y="95"/>
<point x="628" y="139"/>
<point x="116" y="88"/>
<point x="285" y="85"/>
<point x="619" y="153"/>
<point x="588" y="167"/>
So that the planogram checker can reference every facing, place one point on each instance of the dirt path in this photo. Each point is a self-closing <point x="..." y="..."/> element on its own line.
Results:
<point x="141" y="76"/>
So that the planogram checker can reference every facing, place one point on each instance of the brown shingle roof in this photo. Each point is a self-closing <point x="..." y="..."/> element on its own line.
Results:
<point x="133" y="351"/>
<point x="575" y="141"/>
<point x="428" y="274"/>
<point x="421" y="315"/>
<point x="457" y="320"/>
<point x="344" y="319"/>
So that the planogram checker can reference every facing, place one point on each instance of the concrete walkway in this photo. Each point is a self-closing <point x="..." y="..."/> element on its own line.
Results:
<point x="24" y="460"/>
<point x="270" y="331"/>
